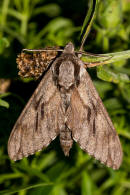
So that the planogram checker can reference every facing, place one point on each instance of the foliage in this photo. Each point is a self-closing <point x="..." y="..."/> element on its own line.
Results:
<point x="40" y="23"/>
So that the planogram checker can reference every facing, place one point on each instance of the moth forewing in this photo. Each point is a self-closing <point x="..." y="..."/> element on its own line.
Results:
<point x="91" y="126"/>
<point x="66" y="103"/>
<point x="34" y="130"/>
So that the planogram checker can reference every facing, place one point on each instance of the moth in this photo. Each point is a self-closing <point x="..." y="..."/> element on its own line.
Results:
<point x="66" y="104"/>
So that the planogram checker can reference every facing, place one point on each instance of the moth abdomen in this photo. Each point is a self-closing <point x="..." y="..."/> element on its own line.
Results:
<point x="66" y="146"/>
<point x="66" y="140"/>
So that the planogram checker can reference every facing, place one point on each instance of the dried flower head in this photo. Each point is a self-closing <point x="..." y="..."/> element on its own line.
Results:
<point x="35" y="63"/>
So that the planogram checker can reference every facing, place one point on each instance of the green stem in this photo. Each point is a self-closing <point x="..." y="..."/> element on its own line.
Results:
<point x="24" y="24"/>
<point x="88" y="22"/>
<point x="4" y="12"/>
<point x="15" y="14"/>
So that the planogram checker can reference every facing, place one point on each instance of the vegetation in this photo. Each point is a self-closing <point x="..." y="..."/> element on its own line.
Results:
<point x="40" y="23"/>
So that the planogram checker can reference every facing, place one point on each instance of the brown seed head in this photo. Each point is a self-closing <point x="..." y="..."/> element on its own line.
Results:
<point x="35" y="63"/>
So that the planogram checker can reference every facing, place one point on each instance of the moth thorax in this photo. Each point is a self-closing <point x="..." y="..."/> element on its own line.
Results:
<point x="66" y="74"/>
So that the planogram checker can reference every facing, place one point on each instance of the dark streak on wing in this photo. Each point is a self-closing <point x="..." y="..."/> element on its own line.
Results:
<point x="36" y="122"/>
<point x="36" y="104"/>
<point x="94" y="107"/>
<point x="20" y="151"/>
<point x="88" y="114"/>
<point x="94" y="128"/>
<point x="42" y="110"/>
<point x="109" y="153"/>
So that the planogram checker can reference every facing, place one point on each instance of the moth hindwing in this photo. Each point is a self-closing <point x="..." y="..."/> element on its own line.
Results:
<point x="67" y="104"/>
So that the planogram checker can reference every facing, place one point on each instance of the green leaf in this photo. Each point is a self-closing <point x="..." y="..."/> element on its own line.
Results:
<point x="46" y="161"/>
<point x="117" y="56"/>
<point x="112" y="103"/>
<point x="125" y="134"/>
<point x="57" y="31"/>
<point x="6" y="94"/>
<point x="105" y="58"/>
<point x="8" y="192"/>
<point x="31" y="171"/>
<point x="102" y="87"/>
<point x="4" y="103"/>
<point x="125" y="90"/>
<point x="50" y="10"/>
<point x="110" y="76"/>
<point x="4" y="43"/>
<point x="108" y="18"/>
<point x="10" y="176"/>
<point x="58" y="190"/>
<point x="86" y="184"/>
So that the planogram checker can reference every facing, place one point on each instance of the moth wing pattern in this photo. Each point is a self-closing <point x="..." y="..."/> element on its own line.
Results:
<point x="37" y="125"/>
<point x="91" y="126"/>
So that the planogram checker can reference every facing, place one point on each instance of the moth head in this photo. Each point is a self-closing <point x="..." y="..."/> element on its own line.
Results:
<point x="69" y="48"/>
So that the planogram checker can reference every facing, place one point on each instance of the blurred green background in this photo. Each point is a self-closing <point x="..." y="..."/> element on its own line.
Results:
<point x="40" y="23"/>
